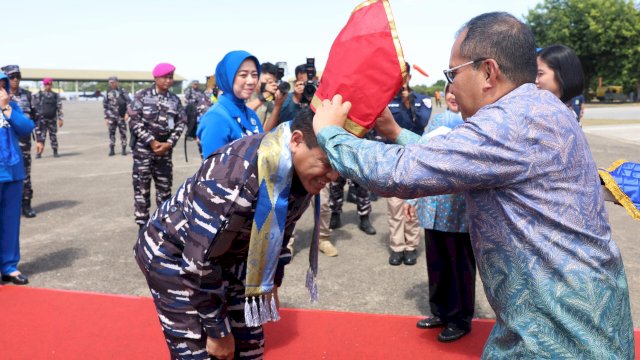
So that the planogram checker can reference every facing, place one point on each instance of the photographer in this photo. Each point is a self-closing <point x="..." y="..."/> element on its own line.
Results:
<point x="262" y="100"/>
<point x="287" y="105"/>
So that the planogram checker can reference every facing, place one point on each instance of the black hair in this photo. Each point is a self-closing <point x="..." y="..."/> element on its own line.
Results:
<point x="301" y="69"/>
<point x="269" y="68"/>
<point x="303" y="121"/>
<point x="567" y="68"/>
<point x="507" y="40"/>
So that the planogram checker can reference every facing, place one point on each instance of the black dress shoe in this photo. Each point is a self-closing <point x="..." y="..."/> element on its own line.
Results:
<point x="430" y="323"/>
<point x="16" y="279"/>
<point x="410" y="257"/>
<point x="451" y="333"/>
<point x="395" y="258"/>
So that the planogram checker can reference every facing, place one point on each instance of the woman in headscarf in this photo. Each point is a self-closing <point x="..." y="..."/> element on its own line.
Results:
<point x="230" y="119"/>
<point x="13" y="124"/>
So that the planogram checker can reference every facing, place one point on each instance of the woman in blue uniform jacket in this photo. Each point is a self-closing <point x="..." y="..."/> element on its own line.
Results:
<point x="230" y="119"/>
<point x="13" y="124"/>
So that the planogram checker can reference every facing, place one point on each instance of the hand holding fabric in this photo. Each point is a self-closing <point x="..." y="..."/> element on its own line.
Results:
<point x="332" y="112"/>
<point x="386" y="125"/>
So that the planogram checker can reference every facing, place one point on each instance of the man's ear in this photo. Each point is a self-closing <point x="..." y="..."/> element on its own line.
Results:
<point x="491" y="71"/>
<point x="297" y="140"/>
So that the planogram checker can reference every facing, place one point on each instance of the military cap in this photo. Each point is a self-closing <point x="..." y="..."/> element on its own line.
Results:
<point x="113" y="78"/>
<point x="10" y="69"/>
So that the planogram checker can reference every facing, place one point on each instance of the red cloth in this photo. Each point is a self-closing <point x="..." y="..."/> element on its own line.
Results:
<point x="366" y="65"/>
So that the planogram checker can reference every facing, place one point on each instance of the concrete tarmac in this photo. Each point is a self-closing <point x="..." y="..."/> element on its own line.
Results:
<point x="83" y="234"/>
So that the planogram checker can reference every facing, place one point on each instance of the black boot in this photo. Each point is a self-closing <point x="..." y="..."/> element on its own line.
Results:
<point x="124" y="150"/>
<point x="365" y="225"/>
<point x="335" y="222"/>
<point x="27" y="211"/>
<point x="55" y="153"/>
<point x="38" y="156"/>
<point x="112" y="150"/>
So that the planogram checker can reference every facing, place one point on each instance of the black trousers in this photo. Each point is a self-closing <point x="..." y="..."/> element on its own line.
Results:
<point x="451" y="267"/>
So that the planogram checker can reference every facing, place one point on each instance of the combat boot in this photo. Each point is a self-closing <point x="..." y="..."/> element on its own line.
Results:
<point x="38" y="156"/>
<point x="335" y="222"/>
<point x="27" y="211"/>
<point x="365" y="225"/>
<point x="55" y="153"/>
<point x="124" y="150"/>
<point x="112" y="150"/>
<point x="327" y="248"/>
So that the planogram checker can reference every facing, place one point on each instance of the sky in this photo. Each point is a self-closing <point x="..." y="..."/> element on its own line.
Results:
<point x="194" y="35"/>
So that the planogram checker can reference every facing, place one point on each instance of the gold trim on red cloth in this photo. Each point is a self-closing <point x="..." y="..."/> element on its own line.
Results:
<point x="349" y="125"/>
<point x="396" y="40"/>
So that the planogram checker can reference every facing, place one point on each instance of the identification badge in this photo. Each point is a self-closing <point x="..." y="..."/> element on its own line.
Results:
<point x="171" y="124"/>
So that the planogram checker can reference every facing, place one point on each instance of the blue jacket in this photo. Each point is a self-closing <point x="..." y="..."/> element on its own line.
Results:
<point x="403" y="116"/>
<point x="18" y="125"/>
<point x="229" y="119"/>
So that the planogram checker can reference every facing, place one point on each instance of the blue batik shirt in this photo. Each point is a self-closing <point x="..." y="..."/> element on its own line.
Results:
<point x="537" y="222"/>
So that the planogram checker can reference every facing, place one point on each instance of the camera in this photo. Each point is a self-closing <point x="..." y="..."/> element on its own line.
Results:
<point x="283" y="86"/>
<point x="311" y="86"/>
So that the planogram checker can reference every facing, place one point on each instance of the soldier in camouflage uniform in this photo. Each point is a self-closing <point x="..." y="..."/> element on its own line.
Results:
<point x="23" y="98"/>
<point x="193" y="251"/>
<point x="363" y="204"/>
<point x="115" y="105"/>
<point x="156" y="120"/>
<point x="197" y="103"/>
<point x="49" y="108"/>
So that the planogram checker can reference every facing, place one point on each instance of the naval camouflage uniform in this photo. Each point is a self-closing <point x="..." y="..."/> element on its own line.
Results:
<point x="197" y="103"/>
<point x="48" y="123"/>
<point x="27" y="103"/>
<point x="336" y="198"/>
<point x="110" y="104"/>
<point x="193" y="252"/>
<point x="153" y="116"/>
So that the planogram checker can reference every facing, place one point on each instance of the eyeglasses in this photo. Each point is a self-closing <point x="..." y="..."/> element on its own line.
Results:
<point x="450" y="74"/>
<point x="14" y="76"/>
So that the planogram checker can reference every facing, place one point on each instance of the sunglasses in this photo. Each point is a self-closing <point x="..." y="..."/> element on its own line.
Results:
<point x="14" y="76"/>
<point x="450" y="74"/>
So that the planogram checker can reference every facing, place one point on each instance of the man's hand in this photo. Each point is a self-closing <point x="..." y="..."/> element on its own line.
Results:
<point x="223" y="348"/>
<point x="60" y="122"/>
<point x="39" y="147"/>
<point x="331" y="112"/>
<point x="410" y="212"/>
<point x="387" y="126"/>
<point x="280" y="98"/>
<point x="161" y="148"/>
<point x="106" y="121"/>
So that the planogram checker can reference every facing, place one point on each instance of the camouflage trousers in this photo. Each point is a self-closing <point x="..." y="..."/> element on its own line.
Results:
<point x="148" y="166"/>
<point x="25" y="147"/>
<point x="121" y="125"/>
<point x="180" y="321"/>
<point x="51" y="126"/>
<point x="336" y="199"/>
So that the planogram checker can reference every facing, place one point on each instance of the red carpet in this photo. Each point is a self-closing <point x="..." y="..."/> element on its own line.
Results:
<point x="54" y="324"/>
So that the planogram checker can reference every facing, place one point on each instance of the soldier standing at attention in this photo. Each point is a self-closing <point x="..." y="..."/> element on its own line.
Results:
<point x="115" y="110"/>
<point x="156" y="120"/>
<point x="49" y="108"/>
<point x="23" y="98"/>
